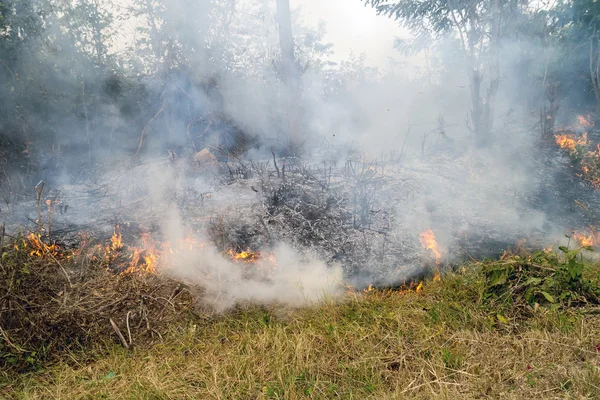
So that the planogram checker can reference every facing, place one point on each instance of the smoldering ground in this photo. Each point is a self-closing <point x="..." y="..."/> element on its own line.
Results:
<point x="385" y="157"/>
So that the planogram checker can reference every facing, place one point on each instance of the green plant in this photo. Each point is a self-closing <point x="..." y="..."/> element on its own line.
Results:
<point x="543" y="278"/>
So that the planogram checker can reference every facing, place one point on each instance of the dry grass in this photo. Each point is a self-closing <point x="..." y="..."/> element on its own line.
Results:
<point x="437" y="344"/>
<point x="55" y="301"/>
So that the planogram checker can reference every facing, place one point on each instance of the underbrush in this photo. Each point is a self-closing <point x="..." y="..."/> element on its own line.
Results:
<point x="516" y="285"/>
<point x="55" y="302"/>
<point x="522" y="326"/>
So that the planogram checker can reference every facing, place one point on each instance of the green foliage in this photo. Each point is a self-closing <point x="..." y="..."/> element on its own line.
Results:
<point x="544" y="278"/>
<point x="421" y="17"/>
<point x="428" y="19"/>
<point x="19" y="360"/>
<point x="451" y="360"/>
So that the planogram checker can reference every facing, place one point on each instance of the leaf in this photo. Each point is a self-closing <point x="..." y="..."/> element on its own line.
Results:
<point x="575" y="269"/>
<point x="547" y="296"/>
<point x="502" y="319"/>
<point x="533" y="281"/>
<point x="572" y="254"/>
<point x="498" y="278"/>
<point x="564" y="295"/>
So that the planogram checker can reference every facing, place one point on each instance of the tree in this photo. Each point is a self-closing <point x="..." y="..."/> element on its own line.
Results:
<point x="205" y="69"/>
<point x="578" y="27"/>
<point x="289" y="68"/>
<point x="477" y="23"/>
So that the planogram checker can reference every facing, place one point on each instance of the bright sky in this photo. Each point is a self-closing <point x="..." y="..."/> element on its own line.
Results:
<point x="352" y="27"/>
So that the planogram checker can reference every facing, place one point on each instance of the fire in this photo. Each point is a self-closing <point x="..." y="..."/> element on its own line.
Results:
<point x="412" y="287"/>
<point x="585" y="155"/>
<point x="39" y="248"/>
<point x="437" y="277"/>
<point x="144" y="260"/>
<point x="149" y="257"/>
<point x="116" y="241"/>
<point x="585" y="240"/>
<point x="140" y="260"/>
<point x="244" y="256"/>
<point x="429" y="242"/>
<point x="585" y="121"/>
<point x="419" y="287"/>
<point x="570" y="142"/>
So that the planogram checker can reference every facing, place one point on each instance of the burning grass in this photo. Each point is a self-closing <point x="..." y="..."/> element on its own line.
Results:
<point x="584" y="154"/>
<point x="586" y="238"/>
<point x="429" y="242"/>
<point x="54" y="301"/>
<point x="503" y="328"/>
<point x="447" y="340"/>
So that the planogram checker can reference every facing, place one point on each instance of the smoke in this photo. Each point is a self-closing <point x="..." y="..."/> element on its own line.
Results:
<point x="225" y="283"/>
<point x="288" y="277"/>
<point x="205" y="74"/>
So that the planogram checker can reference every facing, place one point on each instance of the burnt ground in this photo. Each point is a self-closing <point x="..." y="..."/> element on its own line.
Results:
<point x="361" y="212"/>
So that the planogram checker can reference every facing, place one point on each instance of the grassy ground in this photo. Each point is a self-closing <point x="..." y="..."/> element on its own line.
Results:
<point x="447" y="341"/>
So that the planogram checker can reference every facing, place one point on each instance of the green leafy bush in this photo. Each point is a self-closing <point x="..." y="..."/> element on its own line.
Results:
<point x="543" y="278"/>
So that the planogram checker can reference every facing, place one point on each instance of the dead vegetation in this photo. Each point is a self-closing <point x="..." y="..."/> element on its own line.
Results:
<point x="445" y="341"/>
<point x="81" y="323"/>
<point x="54" y="301"/>
<point x="62" y="308"/>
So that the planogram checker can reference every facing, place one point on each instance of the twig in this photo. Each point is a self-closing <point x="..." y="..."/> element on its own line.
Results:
<point x="39" y="190"/>
<point x="262" y="222"/>
<point x="9" y="70"/>
<point x="118" y="332"/>
<point x="176" y="291"/>
<point x="158" y="333"/>
<point x="60" y="265"/>
<point x="128" y="329"/>
<point x="87" y="123"/>
<point x="145" y="130"/>
<point x="276" y="167"/>
<point x="8" y="341"/>
<point x="104" y="307"/>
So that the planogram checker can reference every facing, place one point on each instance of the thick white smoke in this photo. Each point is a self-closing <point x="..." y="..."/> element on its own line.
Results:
<point x="437" y="180"/>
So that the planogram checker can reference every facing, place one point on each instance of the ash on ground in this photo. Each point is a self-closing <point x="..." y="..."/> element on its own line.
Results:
<point x="360" y="211"/>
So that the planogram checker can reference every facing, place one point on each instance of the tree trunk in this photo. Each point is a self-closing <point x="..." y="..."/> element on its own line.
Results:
<point x="482" y="115"/>
<point x="477" y="109"/>
<point x="98" y="37"/>
<point x="290" y="72"/>
<point x="548" y="116"/>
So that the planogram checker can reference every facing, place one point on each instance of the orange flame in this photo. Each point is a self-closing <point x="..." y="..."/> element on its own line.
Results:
<point x="585" y="240"/>
<point x="585" y="121"/>
<point x="419" y="287"/>
<point x="116" y="241"/>
<point x="429" y="242"/>
<point x="245" y="256"/>
<point x="39" y="248"/>
<point x="570" y="142"/>
<point x="149" y="258"/>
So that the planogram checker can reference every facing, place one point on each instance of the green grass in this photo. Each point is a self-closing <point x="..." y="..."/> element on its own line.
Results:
<point x="444" y="342"/>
